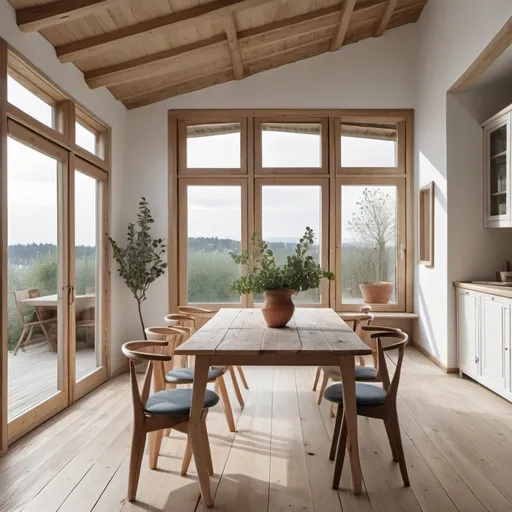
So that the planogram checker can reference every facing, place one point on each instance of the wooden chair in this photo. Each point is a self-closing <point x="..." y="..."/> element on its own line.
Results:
<point x="170" y="378"/>
<point x="358" y="320"/>
<point x="373" y="402"/>
<point x="164" y="409"/>
<point x="202" y="316"/>
<point x="43" y="320"/>
<point x="193" y="322"/>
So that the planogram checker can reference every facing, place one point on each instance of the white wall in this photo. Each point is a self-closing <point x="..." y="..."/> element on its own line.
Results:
<point x="369" y="74"/>
<point x="451" y="34"/>
<point x="42" y="54"/>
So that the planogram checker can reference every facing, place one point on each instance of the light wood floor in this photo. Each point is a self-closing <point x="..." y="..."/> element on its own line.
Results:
<point x="457" y="436"/>
<point x="32" y="375"/>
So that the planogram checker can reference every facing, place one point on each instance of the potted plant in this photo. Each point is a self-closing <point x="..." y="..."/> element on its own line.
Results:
<point x="140" y="263"/>
<point x="374" y="228"/>
<point x="278" y="283"/>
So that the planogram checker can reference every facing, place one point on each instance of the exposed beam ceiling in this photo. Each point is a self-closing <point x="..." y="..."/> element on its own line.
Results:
<point x="38" y="17"/>
<point x="232" y="36"/>
<point x="127" y="35"/>
<point x="384" y="21"/>
<point x="159" y="63"/>
<point x="146" y="50"/>
<point x="346" y="13"/>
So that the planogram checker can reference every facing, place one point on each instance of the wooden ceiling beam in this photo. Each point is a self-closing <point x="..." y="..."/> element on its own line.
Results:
<point x="102" y="43"/>
<point x="181" y="87"/>
<point x="231" y="34"/>
<point x="39" y="17"/>
<point x="386" y="17"/>
<point x="155" y="64"/>
<point x="346" y="13"/>
<point x="162" y="62"/>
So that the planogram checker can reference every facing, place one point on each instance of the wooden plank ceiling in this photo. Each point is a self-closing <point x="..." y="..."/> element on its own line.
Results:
<point x="149" y="50"/>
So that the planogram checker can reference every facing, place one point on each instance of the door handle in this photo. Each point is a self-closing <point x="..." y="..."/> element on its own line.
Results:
<point x="71" y="295"/>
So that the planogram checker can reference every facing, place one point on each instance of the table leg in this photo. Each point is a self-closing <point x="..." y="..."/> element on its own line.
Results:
<point x="195" y="428"/>
<point x="349" y="402"/>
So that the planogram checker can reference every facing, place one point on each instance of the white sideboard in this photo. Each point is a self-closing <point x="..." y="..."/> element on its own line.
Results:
<point x="484" y="335"/>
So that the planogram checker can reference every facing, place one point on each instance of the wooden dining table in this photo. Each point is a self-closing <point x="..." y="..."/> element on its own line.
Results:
<point x="240" y="337"/>
<point x="82" y="302"/>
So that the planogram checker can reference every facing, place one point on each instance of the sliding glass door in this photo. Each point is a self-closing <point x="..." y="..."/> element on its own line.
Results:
<point x="57" y="208"/>
<point x="88" y="187"/>
<point x="37" y="278"/>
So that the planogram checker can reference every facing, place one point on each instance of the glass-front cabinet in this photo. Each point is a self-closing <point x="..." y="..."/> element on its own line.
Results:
<point x="497" y="172"/>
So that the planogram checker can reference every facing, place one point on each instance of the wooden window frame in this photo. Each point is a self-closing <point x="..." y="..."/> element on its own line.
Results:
<point x="184" y="183"/>
<point x="100" y="131"/>
<point x="426" y="201"/>
<point x="401" y="145"/>
<point x="59" y="142"/>
<point x="324" y="236"/>
<point x="332" y="173"/>
<point x="401" y="289"/>
<point x="214" y="171"/>
<point x="324" y="145"/>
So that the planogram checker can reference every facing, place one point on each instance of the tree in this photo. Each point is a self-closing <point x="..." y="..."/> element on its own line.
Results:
<point x="374" y="224"/>
<point x="140" y="262"/>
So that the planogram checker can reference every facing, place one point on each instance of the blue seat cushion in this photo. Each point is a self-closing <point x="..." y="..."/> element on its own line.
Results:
<point x="176" y="402"/>
<point x="365" y="373"/>
<point x="366" y="394"/>
<point x="186" y="375"/>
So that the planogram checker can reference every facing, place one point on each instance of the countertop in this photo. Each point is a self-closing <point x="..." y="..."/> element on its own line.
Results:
<point x="500" y="291"/>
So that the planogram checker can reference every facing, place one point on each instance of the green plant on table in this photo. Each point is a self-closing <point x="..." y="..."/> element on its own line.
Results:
<point x="299" y="273"/>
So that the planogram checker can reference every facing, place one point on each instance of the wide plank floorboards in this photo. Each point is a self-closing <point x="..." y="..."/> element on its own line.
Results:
<point x="456" y="434"/>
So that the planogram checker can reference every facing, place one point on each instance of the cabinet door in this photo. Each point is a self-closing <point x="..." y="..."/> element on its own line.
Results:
<point x="497" y="170"/>
<point x="467" y="331"/>
<point x="495" y="342"/>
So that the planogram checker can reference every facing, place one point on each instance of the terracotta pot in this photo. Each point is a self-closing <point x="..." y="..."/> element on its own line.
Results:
<point x="376" y="293"/>
<point x="278" y="308"/>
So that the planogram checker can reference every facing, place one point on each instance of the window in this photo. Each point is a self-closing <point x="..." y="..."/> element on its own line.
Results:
<point x="30" y="103"/>
<point x="371" y="244"/>
<point x="345" y="174"/>
<point x="286" y="210"/>
<point x="85" y="138"/>
<point x="371" y="145"/>
<point x="291" y="146"/>
<point x="213" y="146"/>
<point x="213" y="230"/>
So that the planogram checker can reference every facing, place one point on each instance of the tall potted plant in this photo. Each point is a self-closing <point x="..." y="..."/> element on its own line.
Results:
<point x="140" y="263"/>
<point x="278" y="283"/>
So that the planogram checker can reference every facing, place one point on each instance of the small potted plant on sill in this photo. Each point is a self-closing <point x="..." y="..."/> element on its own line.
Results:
<point x="278" y="283"/>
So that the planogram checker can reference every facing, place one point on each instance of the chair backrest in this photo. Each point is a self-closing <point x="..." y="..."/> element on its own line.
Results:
<point x="200" y="314"/>
<point x="31" y="293"/>
<point x="181" y="320"/>
<point x="134" y="351"/>
<point x="173" y="335"/>
<point x="389" y="339"/>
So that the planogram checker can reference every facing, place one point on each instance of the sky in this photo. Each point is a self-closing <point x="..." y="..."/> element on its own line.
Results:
<point x="212" y="210"/>
<point x="32" y="183"/>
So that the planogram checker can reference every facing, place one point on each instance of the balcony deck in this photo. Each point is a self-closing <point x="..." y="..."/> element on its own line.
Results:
<point x="32" y="375"/>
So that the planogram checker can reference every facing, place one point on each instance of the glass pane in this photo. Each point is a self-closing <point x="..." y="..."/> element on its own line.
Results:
<point x="85" y="138"/>
<point x="33" y="277"/>
<point x="27" y="101"/>
<point x="214" y="230"/>
<point x="214" y="146"/>
<point x="368" y="145"/>
<point x="291" y="145"/>
<point x="498" y="175"/>
<point x="286" y="211"/>
<point x="368" y="239"/>
<point x="87" y="274"/>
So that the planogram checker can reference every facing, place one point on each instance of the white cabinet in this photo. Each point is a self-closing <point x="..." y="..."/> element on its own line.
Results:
<point x="497" y="170"/>
<point x="467" y="326"/>
<point x="483" y="336"/>
<point x="495" y="341"/>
